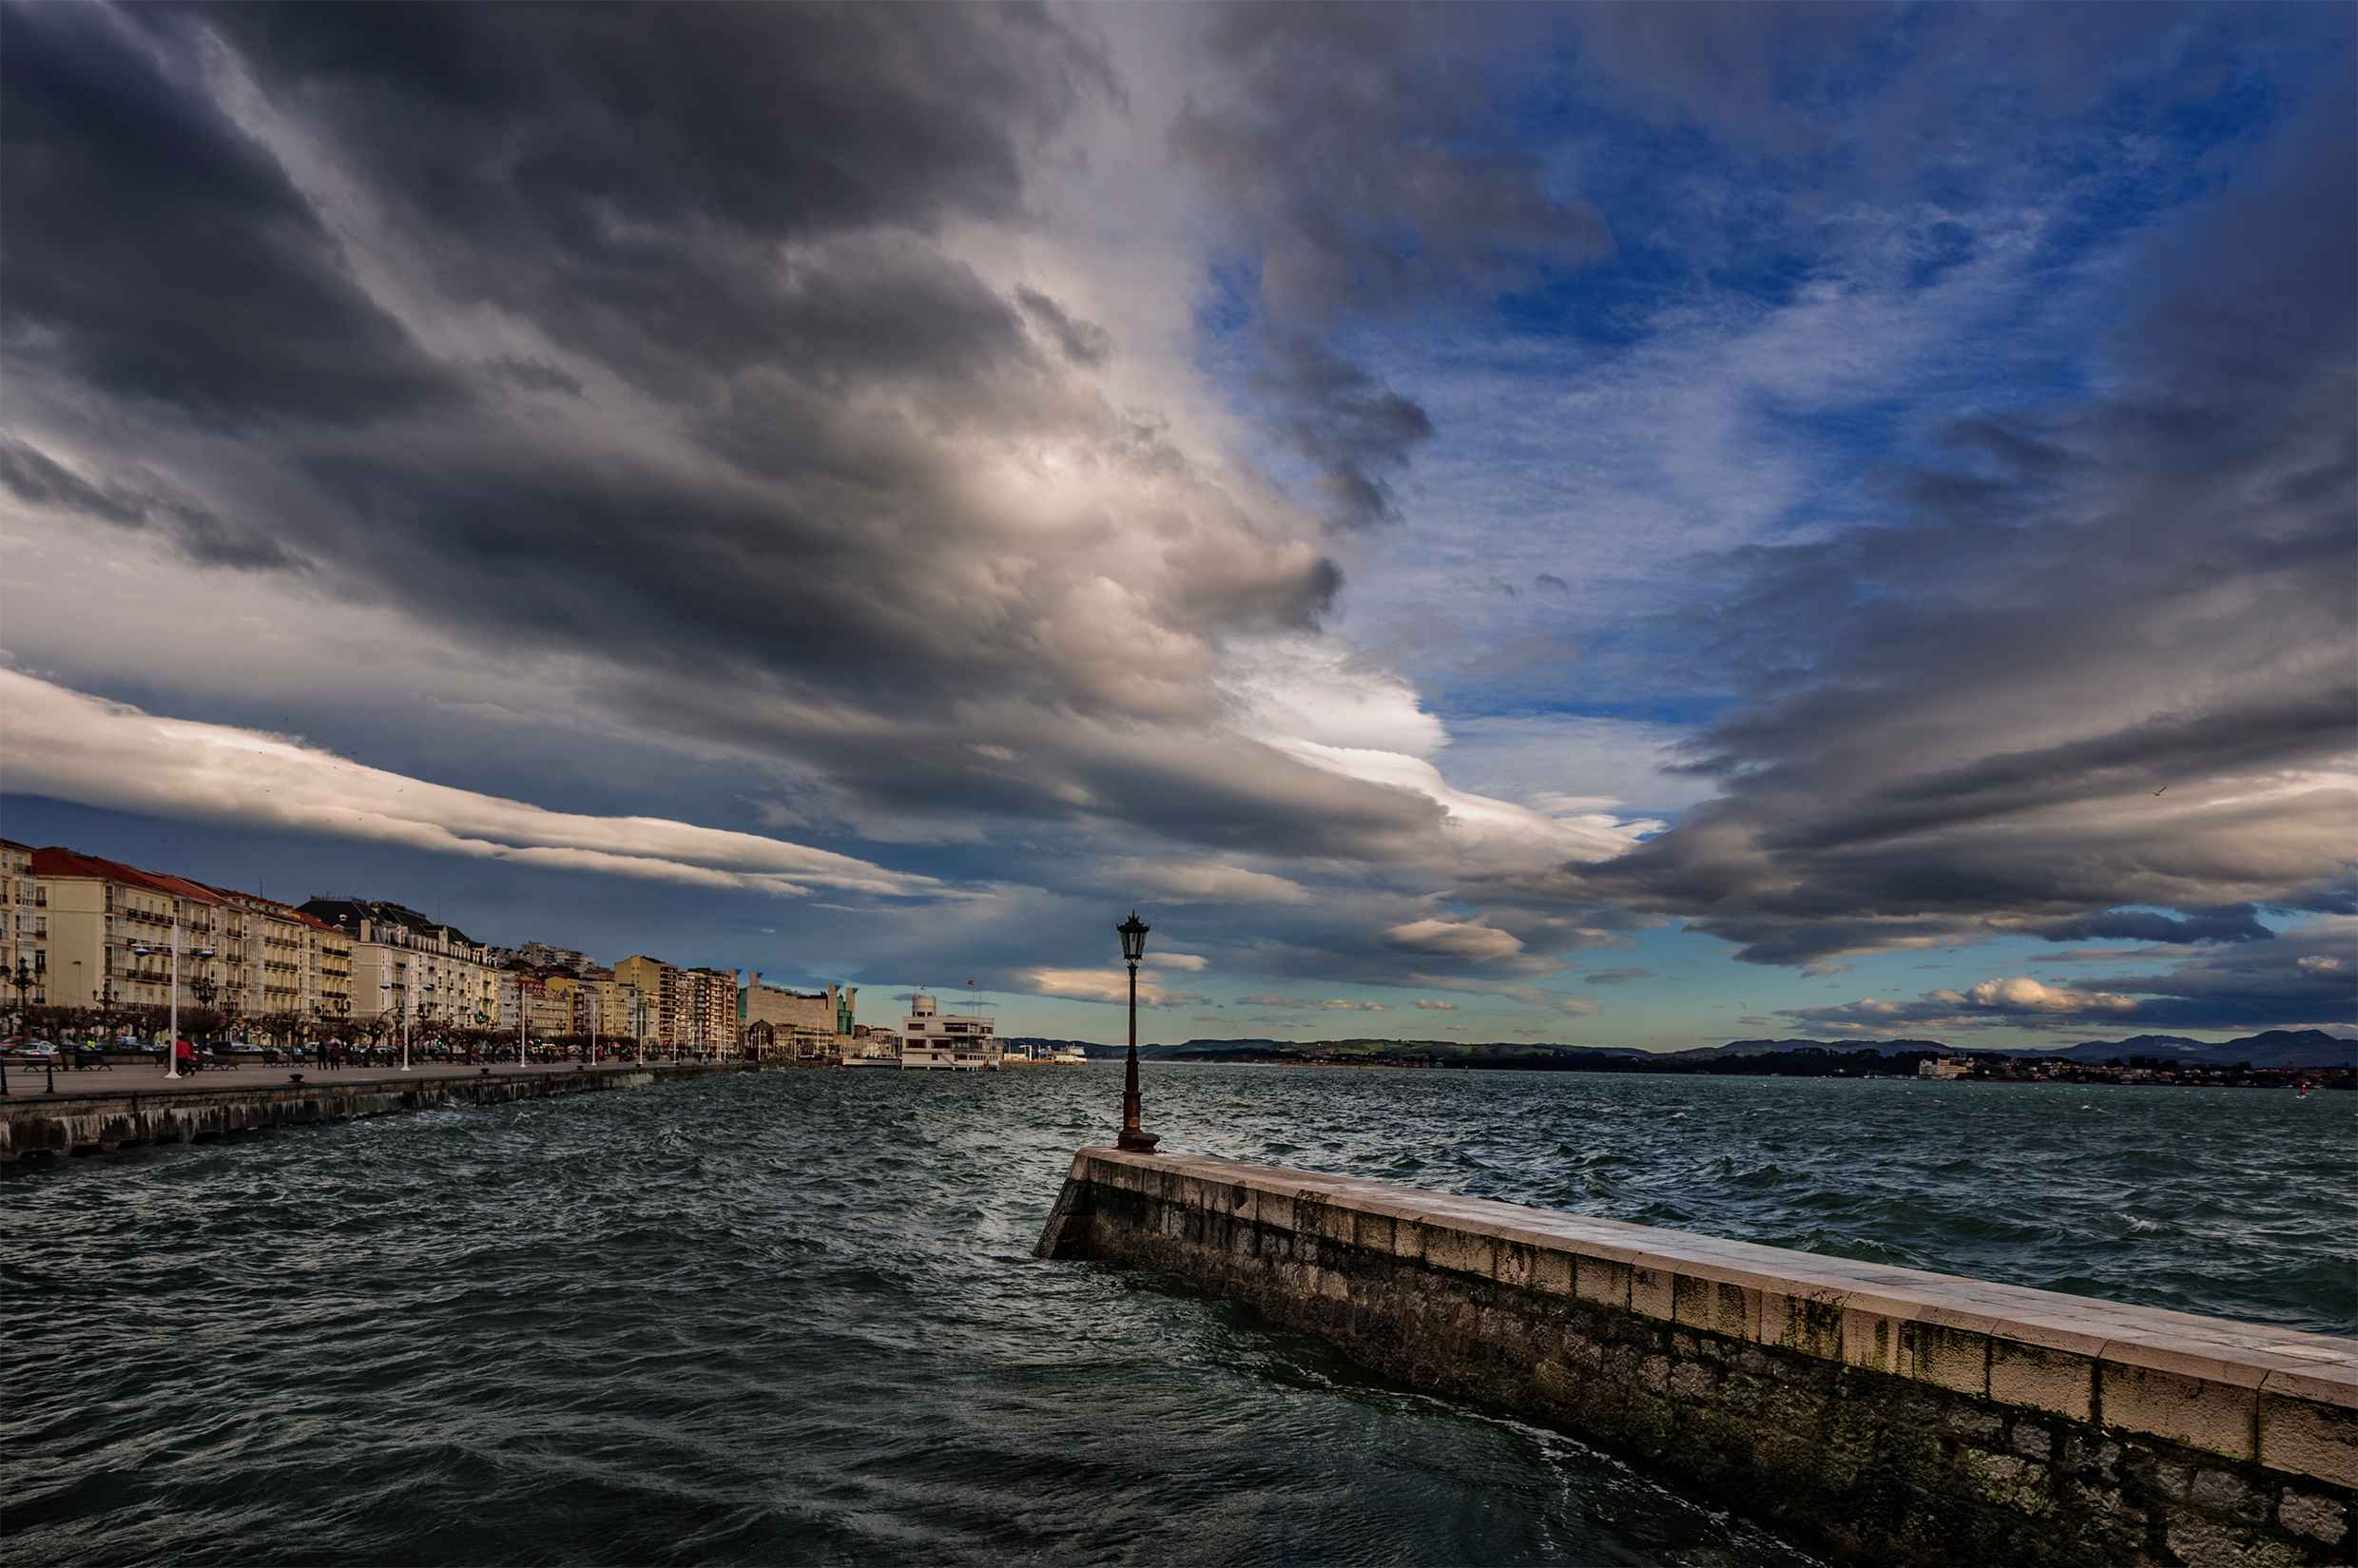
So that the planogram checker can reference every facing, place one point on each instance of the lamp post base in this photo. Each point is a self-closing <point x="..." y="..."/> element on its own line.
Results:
<point x="1137" y="1142"/>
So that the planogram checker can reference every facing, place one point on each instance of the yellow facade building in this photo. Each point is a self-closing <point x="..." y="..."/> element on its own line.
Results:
<point x="108" y="935"/>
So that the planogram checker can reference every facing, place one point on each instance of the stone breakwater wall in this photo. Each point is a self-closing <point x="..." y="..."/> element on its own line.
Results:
<point x="1879" y="1415"/>
<point x="101" y="1122"/>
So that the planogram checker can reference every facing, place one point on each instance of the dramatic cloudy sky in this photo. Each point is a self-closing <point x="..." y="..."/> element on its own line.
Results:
<point x="1641" y="525"/>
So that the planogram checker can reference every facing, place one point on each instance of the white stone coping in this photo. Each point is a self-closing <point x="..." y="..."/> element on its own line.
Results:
<point x="2285" y="1398"/>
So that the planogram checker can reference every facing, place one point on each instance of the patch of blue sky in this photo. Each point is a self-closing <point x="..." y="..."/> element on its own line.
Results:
<point x="1224" y="305"/>
<point x="1672" y="710"/>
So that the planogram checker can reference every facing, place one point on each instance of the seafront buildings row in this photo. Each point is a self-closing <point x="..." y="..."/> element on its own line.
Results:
<point x="89" y="935"/>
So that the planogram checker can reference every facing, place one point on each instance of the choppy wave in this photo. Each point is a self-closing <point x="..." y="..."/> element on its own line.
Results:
<point x="793" y="1316"/>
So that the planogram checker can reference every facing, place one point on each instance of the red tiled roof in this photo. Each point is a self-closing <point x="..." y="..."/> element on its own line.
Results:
<point x="57" y="861"/>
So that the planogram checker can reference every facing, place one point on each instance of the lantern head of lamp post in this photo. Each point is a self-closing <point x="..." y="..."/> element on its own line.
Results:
<point x="1133" y="932"/>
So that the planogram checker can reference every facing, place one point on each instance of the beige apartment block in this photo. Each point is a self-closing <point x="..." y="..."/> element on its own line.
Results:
<point x="564" y="989"/>
<point x="406" y="965"/>
<point x="266" y="955"/>
<point x="664" y="988"/>
<point x="619" y="1009"/>
<point x="102" y="913"/>
<point x="24" y="925"/>
<point x="327" y="969"/>
<point x="713" y="1007"/>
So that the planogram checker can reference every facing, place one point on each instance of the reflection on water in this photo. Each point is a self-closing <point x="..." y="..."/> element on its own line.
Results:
<point x="793" y="1316"/>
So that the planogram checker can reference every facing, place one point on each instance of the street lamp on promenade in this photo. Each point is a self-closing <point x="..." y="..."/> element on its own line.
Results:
<point x="23" y="980"/>
<point x="1133" y="932"/>
<point x="171" y="1048"/>
<point x="399" y="996"/>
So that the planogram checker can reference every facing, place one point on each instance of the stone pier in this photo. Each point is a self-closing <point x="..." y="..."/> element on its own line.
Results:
<point x="1879" y="1415"/>
<point x="144" y="1107"/>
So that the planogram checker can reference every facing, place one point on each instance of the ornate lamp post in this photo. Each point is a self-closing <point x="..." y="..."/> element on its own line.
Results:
<point x="1133" y="932"/>
<point x="22" y="980"/>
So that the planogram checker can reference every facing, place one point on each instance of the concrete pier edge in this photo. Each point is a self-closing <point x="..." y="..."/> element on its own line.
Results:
<point x="105" y="1120"/>
<point x="1879" y="1414"/>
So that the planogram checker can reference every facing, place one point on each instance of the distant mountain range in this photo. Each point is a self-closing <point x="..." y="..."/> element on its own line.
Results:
<point x="2275" y="1048"/>
<point x="2272" y="1048"/>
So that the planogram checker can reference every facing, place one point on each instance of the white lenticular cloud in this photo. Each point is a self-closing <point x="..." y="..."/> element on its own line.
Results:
<point x="73" y="746"/>
<point x="2021" y="993"/>
<point x="1213" y="883"/>
<point x="1454" y="939"/>
<point x="1105" y="985"/>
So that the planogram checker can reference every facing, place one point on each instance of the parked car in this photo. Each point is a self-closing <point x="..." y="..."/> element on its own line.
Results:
<point x="38" y="1048"/>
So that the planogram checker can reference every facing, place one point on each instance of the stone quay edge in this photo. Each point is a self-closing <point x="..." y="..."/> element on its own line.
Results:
<point x="1880" y="1414"/>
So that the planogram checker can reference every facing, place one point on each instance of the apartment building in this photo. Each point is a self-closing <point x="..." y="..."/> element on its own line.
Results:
<point x="541" y="957"/>
<point x="580" y="1001"/>
<point x="667" y="1000"/>
<point x="712" y="1008"/>
<point x="618" y="1009"/>
<point x="327" y="969"/>
<point x="24" y="925"/>
<point x="107" y="932"/>
<point x="404" y="964"/>
<point x="268" y="956"/>
<point x="543" y="1003"/>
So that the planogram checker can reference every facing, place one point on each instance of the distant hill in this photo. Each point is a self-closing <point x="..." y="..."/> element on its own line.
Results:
<point x="2275" y="1048"/>
<point x="1773" y="1048"/>
<point x="2272" y="1048"/>
<point x="1375" y="1049"/>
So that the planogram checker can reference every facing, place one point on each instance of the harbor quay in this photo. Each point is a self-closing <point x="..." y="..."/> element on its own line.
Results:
<point x="137" y="1106"/>
<point x="1878" y="1414"/>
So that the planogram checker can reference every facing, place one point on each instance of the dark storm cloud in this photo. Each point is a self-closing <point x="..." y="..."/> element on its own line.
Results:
<point x="2236" y="923"/>
<point x="156" y="253"/>
<point x="741" y="414"/>
<point x="536" y="377"/>
<point x="1083" y="342"/>
<point x="34" y="478"/>
<point x="1359" y="159"/>
<point x="620" y="174"/>
<point x="1360" y="148"/>
<point x="2307" y="976"/>
<point x="832" y="118"/>
<point x="37" y="480"/>
<point x="2304" y="977"/>
<point x="2113" y="672"/>
<point x="1355" y="430"/>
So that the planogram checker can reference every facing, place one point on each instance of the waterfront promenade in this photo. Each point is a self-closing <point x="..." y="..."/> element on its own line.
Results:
<point x="92" y="1113"/>
<point x="33" y="1082"/>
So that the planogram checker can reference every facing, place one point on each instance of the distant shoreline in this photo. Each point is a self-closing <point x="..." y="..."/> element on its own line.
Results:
<point x="2007" y="1071"/>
